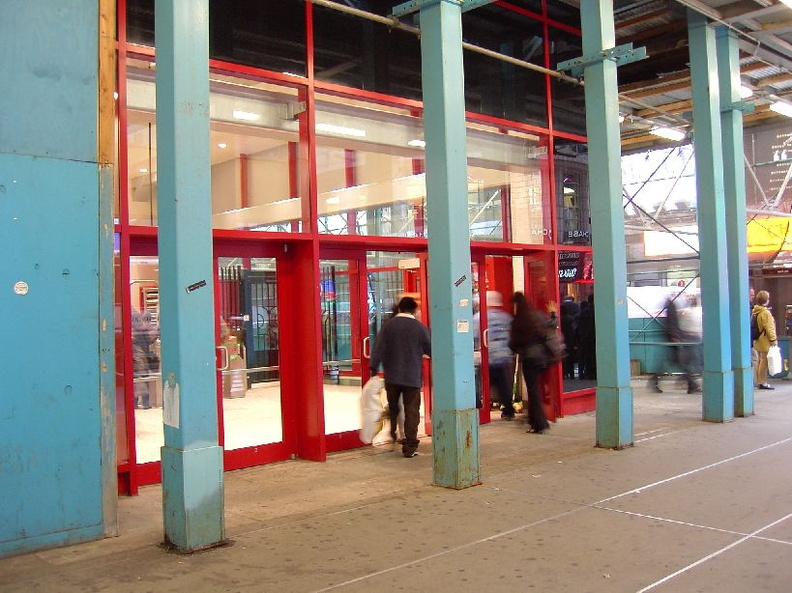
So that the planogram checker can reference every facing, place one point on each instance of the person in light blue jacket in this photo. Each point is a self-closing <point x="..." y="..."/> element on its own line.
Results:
<point x="500" y="357"/>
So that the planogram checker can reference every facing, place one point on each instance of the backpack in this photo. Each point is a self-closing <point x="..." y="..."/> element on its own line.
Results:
<point x="755" y="331"/>
<point x="556" y="349"/>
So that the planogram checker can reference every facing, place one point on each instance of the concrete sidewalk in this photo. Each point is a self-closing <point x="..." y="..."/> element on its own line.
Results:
<point x="693" y="506"/>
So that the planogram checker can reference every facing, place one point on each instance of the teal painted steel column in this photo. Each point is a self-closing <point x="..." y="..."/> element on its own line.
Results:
<point x="718" y="379"/>
<point x="736" y="243"/>
<point x="614" y="392"/>
<point x="455" y="428"/>
<point x="58" y="457"/>
<point x="192" y="461"/>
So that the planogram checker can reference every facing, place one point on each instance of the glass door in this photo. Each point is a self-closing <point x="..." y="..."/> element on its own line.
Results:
<point x="248" y="336"/>
<point x="145" y="347"/>
<point x="494" y="285"/>
<point x="359" y="291"/>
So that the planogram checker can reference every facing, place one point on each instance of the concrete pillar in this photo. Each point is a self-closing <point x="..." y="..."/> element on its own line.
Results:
<point x="614" y="392"/>
<point x="454" y="416"/>
<point x="192" y="461"/>
<point x="734" y="193"/>
<point x="718" y="379"/>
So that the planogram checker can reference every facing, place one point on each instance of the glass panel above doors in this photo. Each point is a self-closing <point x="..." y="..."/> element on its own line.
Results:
<point x="371" y="181"/>
<point x="254" y="153"/>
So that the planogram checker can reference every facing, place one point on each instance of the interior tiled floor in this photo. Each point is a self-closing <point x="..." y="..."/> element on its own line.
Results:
<point x="256" y="419"/>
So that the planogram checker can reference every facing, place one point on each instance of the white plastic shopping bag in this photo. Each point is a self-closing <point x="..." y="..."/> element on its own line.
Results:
<point x="774" y="364"/>
<point x="371" y="409"/>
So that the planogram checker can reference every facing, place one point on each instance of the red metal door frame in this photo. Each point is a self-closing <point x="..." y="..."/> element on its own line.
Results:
<point x="299" y="439"/>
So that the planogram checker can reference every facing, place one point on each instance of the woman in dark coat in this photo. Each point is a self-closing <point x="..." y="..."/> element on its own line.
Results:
<point x="528" y="332"/>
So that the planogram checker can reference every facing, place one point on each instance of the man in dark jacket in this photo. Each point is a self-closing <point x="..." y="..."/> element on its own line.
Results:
<point x="400" y="347"/>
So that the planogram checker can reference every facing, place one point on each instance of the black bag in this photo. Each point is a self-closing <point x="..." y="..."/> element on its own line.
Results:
<point x="755" y="332"/>
<point x="555" y="347"/>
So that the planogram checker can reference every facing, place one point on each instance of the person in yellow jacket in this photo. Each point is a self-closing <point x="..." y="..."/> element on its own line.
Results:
<point x="767" y="337"/>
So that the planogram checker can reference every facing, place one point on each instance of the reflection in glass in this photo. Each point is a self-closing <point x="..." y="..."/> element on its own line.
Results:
<point x="362" y="54"/>
<point x="572" y="193"/>
<point x="498" y="88"/>
<point x="264" y="33"/>
<point x="569" y="108"/>
<point x="576" y="286"/>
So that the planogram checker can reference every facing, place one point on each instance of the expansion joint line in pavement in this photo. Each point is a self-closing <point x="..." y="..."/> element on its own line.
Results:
<point x="734" y="544"/>
<point x="599" y="503"/>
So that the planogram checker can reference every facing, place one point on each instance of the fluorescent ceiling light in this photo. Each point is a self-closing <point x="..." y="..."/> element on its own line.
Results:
<point x="782" y="107"/>
<point x="668" y="133"/>
<point x="745" y="91"/>
<point x="342" y="130"/>
<point x="245" y="115"/>
<point x="222" y="145"/>
<point x="334" y="200"/>
<point x="421" y="143"/>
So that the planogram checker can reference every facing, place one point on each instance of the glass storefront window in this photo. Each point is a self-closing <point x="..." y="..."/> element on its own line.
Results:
<point x="254" y="153"/>
<point x="369" y="169"/>
<point x="503" y="90"/>
<point x="370" y="176"/>
<point x="363" y="54"/>
<point x="572" y="192"/>
<point x="505" y="191"/>
<point x="261" y="33"/>
<point x="497" y="88"/>
<point x="569" y="106"/>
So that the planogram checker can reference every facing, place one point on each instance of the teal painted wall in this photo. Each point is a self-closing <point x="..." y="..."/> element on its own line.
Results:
<point x="646" y="345"/>
<point x="56" y="414"/>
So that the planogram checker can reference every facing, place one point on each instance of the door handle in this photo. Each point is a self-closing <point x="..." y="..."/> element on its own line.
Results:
<point x="225" y="359"/>
<point x="367" y="347"/>
<point x="485" y="338"/>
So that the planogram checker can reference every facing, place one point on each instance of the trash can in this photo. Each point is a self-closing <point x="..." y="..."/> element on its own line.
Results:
<point x="783" y="344"/>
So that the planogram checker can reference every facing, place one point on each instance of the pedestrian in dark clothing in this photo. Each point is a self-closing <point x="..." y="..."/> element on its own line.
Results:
<point x="587" y="340"/>
<point x="528" y="334"/>
<point x="400" y="347"/>
<point x="570" y="311"/>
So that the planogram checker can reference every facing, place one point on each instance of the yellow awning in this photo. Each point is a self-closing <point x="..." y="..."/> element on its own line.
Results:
<point x="769" y="234"/>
